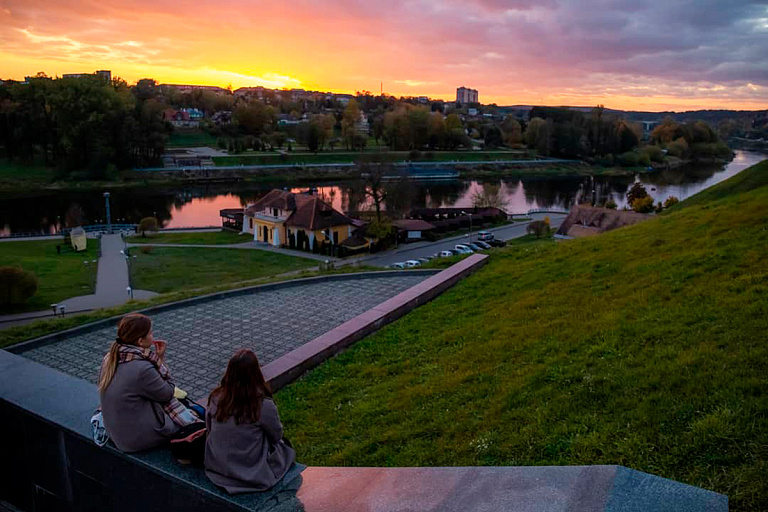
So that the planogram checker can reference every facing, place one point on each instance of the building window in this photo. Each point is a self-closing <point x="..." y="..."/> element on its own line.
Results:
<point x="250" y="223"/>
<point x="274" y="212"/>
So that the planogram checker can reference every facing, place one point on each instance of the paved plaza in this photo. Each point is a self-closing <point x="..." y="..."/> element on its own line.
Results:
<point x="202" y="337"/>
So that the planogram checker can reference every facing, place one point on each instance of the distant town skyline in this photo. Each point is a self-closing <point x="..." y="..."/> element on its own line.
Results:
<point x="630" y="55"/>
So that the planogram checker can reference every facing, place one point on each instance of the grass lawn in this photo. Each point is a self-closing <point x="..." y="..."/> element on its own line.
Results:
<point x="204" y="237"/>
<point x="168" y="269"/>
<point x="15" y="171"/>
<point x="59" y="276"/>
<point x="644" y="347"/>
<point x="181" y="138"/>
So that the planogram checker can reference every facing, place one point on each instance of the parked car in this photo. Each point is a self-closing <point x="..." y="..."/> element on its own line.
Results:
<point x="496" y="243"/>
<point x="483" y="245"/>
<point x="446" y="254"/>
<point x="463" y="249"/>
<point x="398" y="266"/>
<point x="424" y="260"/>
<point x="474" y="246"/>
<point x="412" y="263"/>
<point x="484" y="236"/>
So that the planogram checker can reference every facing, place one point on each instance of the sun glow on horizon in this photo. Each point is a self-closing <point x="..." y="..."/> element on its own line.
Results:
<point x="515" y="57"/>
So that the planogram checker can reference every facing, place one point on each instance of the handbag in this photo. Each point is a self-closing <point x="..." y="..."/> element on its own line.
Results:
<point x="188" y="444"/>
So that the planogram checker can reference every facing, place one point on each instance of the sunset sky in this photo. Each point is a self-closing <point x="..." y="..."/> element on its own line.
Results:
<point x="638" y="54"/>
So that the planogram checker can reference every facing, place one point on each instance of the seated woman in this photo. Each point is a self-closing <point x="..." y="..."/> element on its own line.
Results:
<point x="245" y="450"/>
<point x="136" y="389"/>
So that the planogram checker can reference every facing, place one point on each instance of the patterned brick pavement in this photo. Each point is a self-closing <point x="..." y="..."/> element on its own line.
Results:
<point x="202" y="337"/>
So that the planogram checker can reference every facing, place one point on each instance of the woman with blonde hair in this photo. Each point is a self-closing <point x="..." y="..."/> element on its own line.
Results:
<point x="136" y="389"/>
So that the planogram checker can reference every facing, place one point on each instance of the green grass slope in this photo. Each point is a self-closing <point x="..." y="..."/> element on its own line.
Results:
<point x="645" y="347"/>
<point x="170" y="269"/>
<point x="59" y="276"/>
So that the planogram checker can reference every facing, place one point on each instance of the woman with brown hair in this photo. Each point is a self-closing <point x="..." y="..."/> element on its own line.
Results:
<point x="136" y="389"/>
<point x="245" y="450"/>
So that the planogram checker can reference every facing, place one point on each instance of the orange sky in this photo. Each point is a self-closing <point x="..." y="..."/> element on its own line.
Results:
<point x="620" y="54"/>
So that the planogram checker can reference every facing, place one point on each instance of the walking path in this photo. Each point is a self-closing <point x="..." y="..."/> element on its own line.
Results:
<point x="112" y="281"/>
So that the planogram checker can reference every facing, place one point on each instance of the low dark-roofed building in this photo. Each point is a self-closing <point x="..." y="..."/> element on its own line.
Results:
<point x="232" y="218"/>
<point x="585" y="220"/>
<point x="413" y="228"/>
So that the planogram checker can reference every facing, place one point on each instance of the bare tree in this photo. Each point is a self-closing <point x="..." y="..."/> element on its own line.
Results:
<point x="373" y="175"/>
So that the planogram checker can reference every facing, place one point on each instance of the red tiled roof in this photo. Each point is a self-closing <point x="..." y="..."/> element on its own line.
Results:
<point x="312" y="213"/>
<point x="274" y="199"/>
<point x="309" y="211"/>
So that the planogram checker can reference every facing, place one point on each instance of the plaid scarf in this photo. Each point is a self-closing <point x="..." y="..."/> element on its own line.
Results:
<point x="175" y="409"/>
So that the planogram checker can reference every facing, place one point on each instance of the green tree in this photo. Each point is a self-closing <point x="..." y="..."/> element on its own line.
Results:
<point x="493" y="137"/>
<point x="148" y="224"/>
<point x="637" y="191"/>
<point x="513" y="133"/>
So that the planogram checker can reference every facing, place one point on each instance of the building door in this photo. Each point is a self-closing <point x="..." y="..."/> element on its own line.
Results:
<point x="265" y="234"/>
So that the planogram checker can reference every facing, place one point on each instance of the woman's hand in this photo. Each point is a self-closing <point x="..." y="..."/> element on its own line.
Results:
<point x="160" y="346"/>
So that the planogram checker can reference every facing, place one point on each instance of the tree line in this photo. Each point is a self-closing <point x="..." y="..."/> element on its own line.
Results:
<point x="85" y="126"/>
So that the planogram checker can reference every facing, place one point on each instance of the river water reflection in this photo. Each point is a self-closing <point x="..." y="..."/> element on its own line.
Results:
<point x="196" y="206"/>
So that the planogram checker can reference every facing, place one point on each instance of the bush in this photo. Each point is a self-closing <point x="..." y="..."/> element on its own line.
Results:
<point x="611" y="204"/>
<point x="643" y="159"/>
<point x="678" y="148"/>
<point x="655" y="153"/>
<point x="538" y="227"/>
<point x="671" y="201"/>
<point x="629" y="159"/>
<point x="643" y="204"/>
<point x="16" y="286"/>
<point x="148" y="224"/>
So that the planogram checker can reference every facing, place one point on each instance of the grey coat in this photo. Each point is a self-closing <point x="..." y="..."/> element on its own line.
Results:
<point x="132" y="407"/>
<point x="247" y="457"/>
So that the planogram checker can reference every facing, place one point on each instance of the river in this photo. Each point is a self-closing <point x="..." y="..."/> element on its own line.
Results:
<point x="45" y="212"/>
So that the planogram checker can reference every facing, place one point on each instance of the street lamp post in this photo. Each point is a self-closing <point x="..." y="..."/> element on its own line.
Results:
<point x="109" y="214"/>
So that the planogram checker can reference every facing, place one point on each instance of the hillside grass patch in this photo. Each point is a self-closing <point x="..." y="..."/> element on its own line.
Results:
<point x="643" y="347"/>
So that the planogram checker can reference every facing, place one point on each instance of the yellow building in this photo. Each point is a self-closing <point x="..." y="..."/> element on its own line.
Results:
<point x="296" y="220"/>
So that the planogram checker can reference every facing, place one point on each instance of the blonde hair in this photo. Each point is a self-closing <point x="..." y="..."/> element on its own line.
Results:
<point x="130" y="330"/>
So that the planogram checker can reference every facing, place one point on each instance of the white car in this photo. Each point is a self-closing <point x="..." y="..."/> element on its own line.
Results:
<point x="412" y="264"/>
<point x="398" y="266"/>
<point x="463" y="249"/>
<point x="445" y="254"/>
<point x="484" y="236"/>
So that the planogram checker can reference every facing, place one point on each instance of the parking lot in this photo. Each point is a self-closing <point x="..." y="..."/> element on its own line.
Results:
<point x="424" y="249"/>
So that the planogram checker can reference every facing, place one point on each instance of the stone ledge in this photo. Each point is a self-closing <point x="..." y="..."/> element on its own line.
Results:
<point x="519" y="489"/>
<point x="291" y="366"/>
<point x="46" y="439"/>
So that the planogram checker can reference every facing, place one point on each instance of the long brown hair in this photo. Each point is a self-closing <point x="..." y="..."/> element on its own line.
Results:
<point x="130" y="330"/>
<point x="242" y="389"/>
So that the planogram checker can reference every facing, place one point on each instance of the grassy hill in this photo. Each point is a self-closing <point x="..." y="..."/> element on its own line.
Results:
<point x="645" y="347"/>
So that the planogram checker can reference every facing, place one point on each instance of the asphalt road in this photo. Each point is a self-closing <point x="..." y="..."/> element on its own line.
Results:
<point x="421" y="249"/>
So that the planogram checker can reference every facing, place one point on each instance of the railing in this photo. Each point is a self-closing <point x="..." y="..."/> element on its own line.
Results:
<point x="547" y="210"/>
<point x="98" y="228"/>
<point x="269" y="218"/>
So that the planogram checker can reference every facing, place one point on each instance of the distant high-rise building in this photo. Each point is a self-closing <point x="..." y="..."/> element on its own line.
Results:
<point x="465" y="95"/>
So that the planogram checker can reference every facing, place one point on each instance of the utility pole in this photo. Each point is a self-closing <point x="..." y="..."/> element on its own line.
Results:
<point x="109" y="215"/>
